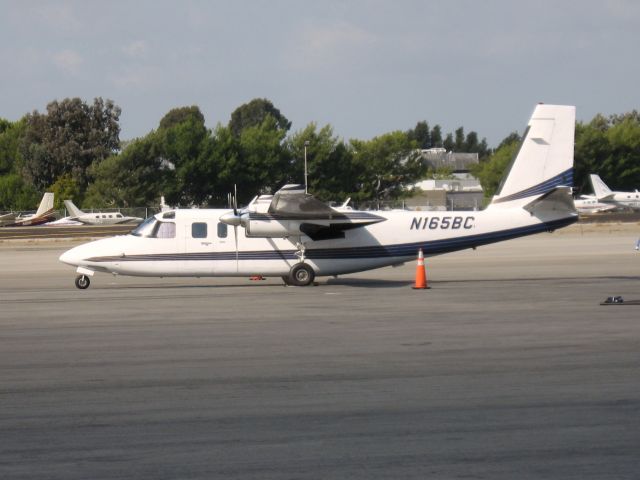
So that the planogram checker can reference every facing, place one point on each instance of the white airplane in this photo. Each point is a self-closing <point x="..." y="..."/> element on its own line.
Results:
<point x="7" y="218"/>
<point x="620" y="199"/>
<point x="590" y="204"/>
<point x="97" y="218"/>
<point x="296" y="237"/>
<point x="44" y="214"/>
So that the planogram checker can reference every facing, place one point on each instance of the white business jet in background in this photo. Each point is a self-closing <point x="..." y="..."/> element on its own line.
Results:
<point x="590" y="204"/>
<point x="618" y="199"/>
<point x="294" y="236"/>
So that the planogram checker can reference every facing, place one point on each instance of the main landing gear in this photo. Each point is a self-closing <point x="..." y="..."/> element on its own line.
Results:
<point x="83" y="282"/>
<point x="300" y="275"/>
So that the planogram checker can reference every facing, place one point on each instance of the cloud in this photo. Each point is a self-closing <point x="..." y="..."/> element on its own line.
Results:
<point x="320" y="47"/>
<point x="136" y="49"/>
<point x="136" y="77"/>
<point x="68" y="61"/>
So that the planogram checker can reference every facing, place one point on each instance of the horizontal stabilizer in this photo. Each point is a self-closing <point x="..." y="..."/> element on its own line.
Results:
<point x="558" y="200"/>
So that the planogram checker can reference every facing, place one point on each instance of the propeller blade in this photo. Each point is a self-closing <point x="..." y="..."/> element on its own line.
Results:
<point x="235" y="199"/>
<point x="235" y="236"/>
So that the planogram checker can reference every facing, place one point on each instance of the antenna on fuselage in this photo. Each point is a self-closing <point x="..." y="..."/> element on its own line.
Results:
<point x="306" y="144"/>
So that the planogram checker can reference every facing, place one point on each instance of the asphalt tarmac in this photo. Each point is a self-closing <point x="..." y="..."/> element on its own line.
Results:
<point x="506" y="368"/>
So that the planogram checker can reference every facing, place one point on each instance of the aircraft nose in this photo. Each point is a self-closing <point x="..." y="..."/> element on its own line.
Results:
<point x="70" y="257"/>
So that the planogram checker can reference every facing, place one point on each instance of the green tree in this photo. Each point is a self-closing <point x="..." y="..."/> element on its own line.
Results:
<point x="330" y="163"/>
<point x="386" y="166"/>
<point x="449" y="144"/>
<point x="69" y="138"/>
<point x="420" y="134"/>
<point x="263" y="162"/>
<point x="16" y="194"/>
<point x="135" y="177"/>
<point x="180" y="115"/>
<point x="459" y="142"/>
<point x="185" y="145"/>
<point x="490" y="172"/>
<point x="11" y="134"/>
<point x="254" y="113"/>
<point x="64" y="188"/>
<point x="436" y="136"/>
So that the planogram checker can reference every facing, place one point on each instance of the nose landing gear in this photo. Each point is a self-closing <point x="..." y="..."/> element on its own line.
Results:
<point x="83" y="282"/>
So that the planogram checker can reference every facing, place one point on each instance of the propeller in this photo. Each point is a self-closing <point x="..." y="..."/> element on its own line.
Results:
<point x="235" y="213"/>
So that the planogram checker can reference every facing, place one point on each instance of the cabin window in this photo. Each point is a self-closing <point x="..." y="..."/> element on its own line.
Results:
<point x="199" y="230"/>
<point x="165" y="230"/>
<point x="222" y="230"/>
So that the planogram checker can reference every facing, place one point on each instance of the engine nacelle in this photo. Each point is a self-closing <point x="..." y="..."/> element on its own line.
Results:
<point x="272" y="228"/>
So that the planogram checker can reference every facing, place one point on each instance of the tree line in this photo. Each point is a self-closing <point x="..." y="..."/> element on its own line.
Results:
<point x="74" y="150"/>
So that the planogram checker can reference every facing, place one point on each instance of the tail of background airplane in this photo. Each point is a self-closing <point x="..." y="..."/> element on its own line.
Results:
<point x="544" y="161"/>
<point x="46" y="204"/>
<point x="600" y="189"/>
<point x="72" y="209"/>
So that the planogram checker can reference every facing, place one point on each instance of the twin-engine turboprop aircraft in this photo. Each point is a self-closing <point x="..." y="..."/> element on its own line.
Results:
<point x="296" y="237"/>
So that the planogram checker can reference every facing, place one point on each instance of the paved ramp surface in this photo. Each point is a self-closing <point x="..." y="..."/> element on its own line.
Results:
<point x="507" y="368"/>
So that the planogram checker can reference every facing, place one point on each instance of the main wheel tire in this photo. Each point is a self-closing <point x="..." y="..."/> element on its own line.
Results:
<point x="82" y="282"/>
<point x="301" y="275"/>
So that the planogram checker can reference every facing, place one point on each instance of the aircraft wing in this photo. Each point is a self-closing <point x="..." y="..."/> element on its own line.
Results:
<point x="291" y="201"/>
<point x="328" y="232"/>
<point x="7" y="218"/>
<point x="607" y="197"/>
<point x="293" y="212"/>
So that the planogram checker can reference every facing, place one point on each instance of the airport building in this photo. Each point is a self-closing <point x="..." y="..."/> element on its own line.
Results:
<point x="461" y="192"/>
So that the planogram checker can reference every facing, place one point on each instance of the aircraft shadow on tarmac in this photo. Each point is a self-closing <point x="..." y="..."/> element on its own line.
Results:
<point x="351" y="282"/>
<point x="368" y="283"/>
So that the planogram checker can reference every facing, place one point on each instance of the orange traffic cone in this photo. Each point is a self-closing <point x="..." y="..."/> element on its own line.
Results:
<point x="421" y="273"/>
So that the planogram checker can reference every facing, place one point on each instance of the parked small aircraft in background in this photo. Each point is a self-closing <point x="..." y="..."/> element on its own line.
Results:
<point x="97" y="218"/>
<point x="295" y="236"/>
<point x="7" y="218"/>
<point x="44" y="214"/>
<point x="619" y="199"/>
<point x="590" y="204"/>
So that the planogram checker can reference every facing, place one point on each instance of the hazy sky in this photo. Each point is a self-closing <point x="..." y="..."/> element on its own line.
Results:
<point x="365" y="67"/>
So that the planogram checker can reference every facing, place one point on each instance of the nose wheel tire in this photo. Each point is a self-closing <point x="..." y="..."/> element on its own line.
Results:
<point x="301" y="275"/>
<point x="82" y="282"/>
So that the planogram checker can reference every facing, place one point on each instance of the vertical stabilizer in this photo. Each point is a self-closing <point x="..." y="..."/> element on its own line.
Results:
<point x="46" y="204"/>
<point x="600" y="189"/>
<point x="545" y="158"/>
<point x="72" y="209"/>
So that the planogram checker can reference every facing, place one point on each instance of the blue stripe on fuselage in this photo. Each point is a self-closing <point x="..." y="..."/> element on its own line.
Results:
<point x="434" y="247"/>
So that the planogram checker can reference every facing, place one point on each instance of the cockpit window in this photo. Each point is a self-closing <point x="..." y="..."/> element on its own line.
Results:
<point x="145" y="228"/>
<point x="153" y="228"/>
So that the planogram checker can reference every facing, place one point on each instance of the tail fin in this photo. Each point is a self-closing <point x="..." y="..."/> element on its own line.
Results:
<point x="72" y="209"/>
<point x="600" y="189"/>
<point x="545" y="158"/>
<point x="46" y="204"/>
